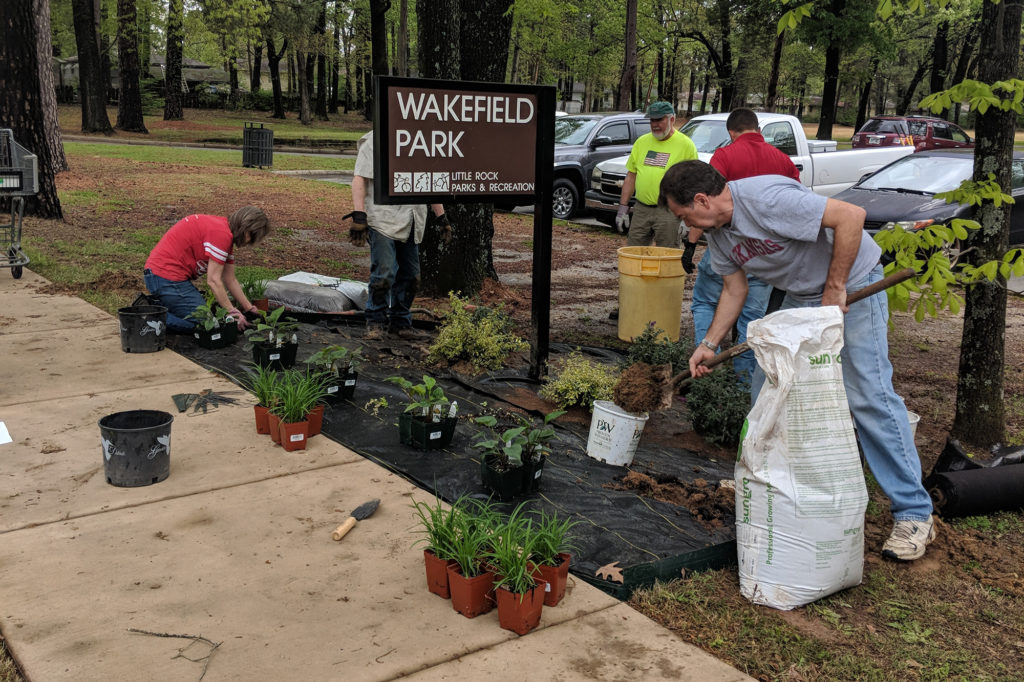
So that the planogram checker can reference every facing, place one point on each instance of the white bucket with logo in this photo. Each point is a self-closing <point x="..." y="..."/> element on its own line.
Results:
<point x="614" y="433"/>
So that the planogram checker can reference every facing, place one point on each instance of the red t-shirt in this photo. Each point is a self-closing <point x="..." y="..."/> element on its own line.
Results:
<point x="185" y="250"/>
<point x="750" y="155"/>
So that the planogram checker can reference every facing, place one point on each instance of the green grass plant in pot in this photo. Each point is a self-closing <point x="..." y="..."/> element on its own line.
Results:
<point x="340" y="365"/>
<point x="438" y="524"/>
<point x="296" y="396"/>
<point x="472" y="587"/>
<point x="273" y="339"/>
<point x="262" y="383"/>
<point x="428" y="421"/>
<point x="255" y="289"/>
<point x="551" y="548"/>
<point x="519" y="589"/>
<point x="214" y="327"/>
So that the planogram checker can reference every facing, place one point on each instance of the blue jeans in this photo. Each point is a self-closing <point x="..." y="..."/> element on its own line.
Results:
<point x="394" y="279"/>
<point x="180" y="298"/>
<point x="706" y="290"/>
<point x="878" y="413"/>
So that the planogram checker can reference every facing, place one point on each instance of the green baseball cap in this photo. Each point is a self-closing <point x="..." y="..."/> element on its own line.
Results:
<point x="659" y="109"/>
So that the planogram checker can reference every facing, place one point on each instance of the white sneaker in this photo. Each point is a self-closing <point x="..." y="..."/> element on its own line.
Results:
<point x="909" y="539"/>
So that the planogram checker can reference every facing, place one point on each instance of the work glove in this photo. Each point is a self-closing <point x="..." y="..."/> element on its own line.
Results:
<point x="357" y="230"/>
<point x="622" y="219"/>
<point x="444" y="228"/>
<point x="688" y="249"/>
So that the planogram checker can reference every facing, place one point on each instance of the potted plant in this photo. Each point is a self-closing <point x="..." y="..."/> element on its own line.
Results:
<point x="340" y="365"/>
<point x="424" y="423"/>
<point x="214" y="327"/>
<point x="551" y="548"/>
<point x="437" y="525"/>
<point x="519" y="589"/>
<point x="471" y="585"/>
<point x="273" y="340"/>
<point x="296" y="395"/>
<point x="262" y="382"/>
<point x="513" y="460"/>
<point x="255" y="289"/>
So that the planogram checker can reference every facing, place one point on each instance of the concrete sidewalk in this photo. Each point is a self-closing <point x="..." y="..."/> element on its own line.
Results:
<point x="235" y="546"/>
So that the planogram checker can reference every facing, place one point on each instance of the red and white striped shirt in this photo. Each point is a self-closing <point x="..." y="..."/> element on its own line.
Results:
<point x="185" y="250"/>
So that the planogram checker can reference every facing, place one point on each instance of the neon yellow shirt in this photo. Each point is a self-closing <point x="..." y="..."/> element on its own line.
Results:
<point x="651" y="157"/>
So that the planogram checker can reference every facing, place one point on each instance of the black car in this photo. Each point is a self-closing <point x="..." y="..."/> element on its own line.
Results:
<point x="904" y="191"/>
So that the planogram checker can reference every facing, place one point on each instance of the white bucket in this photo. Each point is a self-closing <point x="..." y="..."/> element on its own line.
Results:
<point x="614" y="433"/>
<point x="913" y="418"/>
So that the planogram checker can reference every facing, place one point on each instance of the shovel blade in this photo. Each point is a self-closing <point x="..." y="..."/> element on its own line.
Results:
<point x="365" y="510"/>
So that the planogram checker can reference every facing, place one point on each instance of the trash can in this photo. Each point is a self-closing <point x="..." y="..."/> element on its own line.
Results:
<point x="651" y="280"/>
<point x="136" y="447"/>
<point x="257" y="146"/>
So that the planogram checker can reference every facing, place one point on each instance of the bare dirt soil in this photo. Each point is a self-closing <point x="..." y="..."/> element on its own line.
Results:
<point x="584" y="292"/>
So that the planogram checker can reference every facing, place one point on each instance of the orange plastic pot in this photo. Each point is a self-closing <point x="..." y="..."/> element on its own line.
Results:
<point x="316" y="420"/>
<point x="437" y="574"/>
<point x="274" y="426"/>
<point x="470" y="596"/>
<point x="556" y="577"/>
<point x="520" y="613"/>
<point x="261" y="418"/>
<point x="294" y="435"/>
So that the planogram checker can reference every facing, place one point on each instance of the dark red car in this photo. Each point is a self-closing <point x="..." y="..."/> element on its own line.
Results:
<point x="923" y="132"/>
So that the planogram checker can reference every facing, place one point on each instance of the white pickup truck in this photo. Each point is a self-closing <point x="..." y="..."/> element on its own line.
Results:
<point x="822" y="168"/>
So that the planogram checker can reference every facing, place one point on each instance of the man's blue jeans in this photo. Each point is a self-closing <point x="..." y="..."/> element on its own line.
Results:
<point x="706" y="291"/>
<point x="878" y="413"/>
<point x="394" y="279"/>
<point x="180" y="298"/>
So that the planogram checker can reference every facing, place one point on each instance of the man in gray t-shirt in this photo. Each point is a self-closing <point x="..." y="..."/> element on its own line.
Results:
<point x="816" y="249"/>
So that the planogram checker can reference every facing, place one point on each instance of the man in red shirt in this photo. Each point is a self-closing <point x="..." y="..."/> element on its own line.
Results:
<point x="198" y="245"/>
<point x="748" y="155"/>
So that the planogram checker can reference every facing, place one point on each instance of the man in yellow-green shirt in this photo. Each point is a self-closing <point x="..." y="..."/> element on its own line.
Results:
<point x="651" y="156"/>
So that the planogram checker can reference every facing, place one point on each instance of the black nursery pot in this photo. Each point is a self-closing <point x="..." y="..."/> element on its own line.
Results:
<point x="505" y="485"/>
<point x="221" y="337"/>
<point x="424" y="434"/>
<point x="274" y="357"/>
<point x="342" y="387"/>
<point x="532" y="472"/>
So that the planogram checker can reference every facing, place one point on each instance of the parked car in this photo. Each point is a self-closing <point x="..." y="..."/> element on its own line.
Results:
<point x="920" y="132"/>
<point x="903" y="193"/>
<point x="822" y="168"/>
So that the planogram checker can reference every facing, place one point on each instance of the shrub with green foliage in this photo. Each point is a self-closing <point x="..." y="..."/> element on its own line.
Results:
<point x="649" y="348"/>
<point x="718" y="405"/>
<point x="579" y="381"/>
<point x="481" y="336"/>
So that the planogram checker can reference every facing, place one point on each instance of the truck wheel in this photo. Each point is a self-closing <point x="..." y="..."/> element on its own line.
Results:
<point x="565" y="199"/>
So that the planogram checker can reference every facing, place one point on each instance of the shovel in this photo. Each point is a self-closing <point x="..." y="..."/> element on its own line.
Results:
<point x="361" y="512"/>
<point x="660" y="376"/>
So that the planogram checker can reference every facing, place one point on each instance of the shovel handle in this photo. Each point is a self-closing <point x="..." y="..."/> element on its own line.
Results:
<point x="852" y="297"/>
<point x="344" y="528"/>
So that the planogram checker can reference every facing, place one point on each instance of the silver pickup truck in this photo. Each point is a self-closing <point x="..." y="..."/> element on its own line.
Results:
<point x="822" y="168"/>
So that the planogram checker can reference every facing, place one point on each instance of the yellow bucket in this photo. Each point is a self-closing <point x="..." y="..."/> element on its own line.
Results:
<point x="651" y="281"/>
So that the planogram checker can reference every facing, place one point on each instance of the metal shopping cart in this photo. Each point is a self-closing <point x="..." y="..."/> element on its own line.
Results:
<point x="19" y="178"/>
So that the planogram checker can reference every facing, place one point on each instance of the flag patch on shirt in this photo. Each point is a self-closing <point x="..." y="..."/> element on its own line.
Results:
<point x="658" y="159"/>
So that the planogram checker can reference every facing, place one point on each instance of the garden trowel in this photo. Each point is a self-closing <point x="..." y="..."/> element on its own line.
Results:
<point x="361" y="512"/>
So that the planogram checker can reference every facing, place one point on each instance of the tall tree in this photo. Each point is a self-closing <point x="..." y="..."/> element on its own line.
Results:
<point x="91" y="84"/>
<point x="58" y="161"/>
<point x="174" y="100"/>
<point x="274" y="64"/>
<point x="622" y="96"/>
<point x="322" y="44"/>
<point x="21" y="98"/>
<point x="980" y="415"/>
<point x="129" y="104"/>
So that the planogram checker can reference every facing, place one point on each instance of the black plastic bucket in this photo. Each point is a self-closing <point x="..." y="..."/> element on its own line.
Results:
<point x="143" y="328"/>
<point x="136" y="447"/>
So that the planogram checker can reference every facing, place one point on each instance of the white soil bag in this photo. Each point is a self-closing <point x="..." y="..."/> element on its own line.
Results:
<point x="800" y="494"/>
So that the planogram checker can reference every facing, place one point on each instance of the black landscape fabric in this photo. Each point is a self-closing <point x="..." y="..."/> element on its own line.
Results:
<point x="647" y="539"/>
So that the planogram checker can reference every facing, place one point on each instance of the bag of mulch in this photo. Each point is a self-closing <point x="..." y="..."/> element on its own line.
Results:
<point x="800" y="493"/>
<point x="312" y="298"/>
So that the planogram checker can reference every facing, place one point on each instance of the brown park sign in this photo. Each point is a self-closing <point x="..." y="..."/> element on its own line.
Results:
<point x="446" y="141"/>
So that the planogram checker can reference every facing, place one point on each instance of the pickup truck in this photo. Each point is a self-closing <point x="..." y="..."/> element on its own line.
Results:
<point x="822" y="168"/>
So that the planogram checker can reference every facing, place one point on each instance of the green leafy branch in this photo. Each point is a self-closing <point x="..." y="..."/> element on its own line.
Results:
<point x="979" y="96"/>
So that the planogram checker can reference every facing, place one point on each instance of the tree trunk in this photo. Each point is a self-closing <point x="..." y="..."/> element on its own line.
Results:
<point x="321" y="64"/>
<point x="332" y="104"/>
<point x="915" y="80"/>
<point x="962" y="62"/>
<point x="940" y="58"/>
<point x="93" y="90"/>
<point x="622" y="96"/>
<point x="129" y="104"/>
<point x="478" y="38"/>
<point x="21" y="99"/>
<point x="865" y="95"/>
<point x="689" y="94"/>
<point x="274" y="62"/>
<point x="980" y="411"/>
<point x="403" y="38"/>
<point x="828" y="95"/>
<point x="773" y="79"/>
<point x="378" y="47"/>
<point x="54" y="141"/>
<point x="726" y="77"/>
<point x="256" y="72"/>
<point x="173" y="99"/>
<point x="305" y="82"/>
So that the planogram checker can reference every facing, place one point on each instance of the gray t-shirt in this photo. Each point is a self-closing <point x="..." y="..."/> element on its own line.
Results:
<point x="776" y="235"/>
<point x="391" y="221"/>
